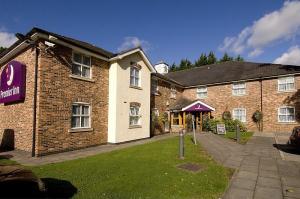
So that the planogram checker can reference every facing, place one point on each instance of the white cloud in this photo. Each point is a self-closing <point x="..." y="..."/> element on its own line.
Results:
<point x="292" y="57"/>
<point x="6" y="38"/>
<point x="132" y="42"/>
<point x="256" y="52"/>
<point x="282" y="24"/>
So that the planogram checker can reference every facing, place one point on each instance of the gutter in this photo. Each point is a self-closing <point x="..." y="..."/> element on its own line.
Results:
<point x="35" y="101"/>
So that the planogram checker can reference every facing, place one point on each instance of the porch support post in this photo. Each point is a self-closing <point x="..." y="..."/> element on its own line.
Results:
<point x="180" y="118"/>
<point x="200" y="121"/>
<point x="184" y="125"/>
<point x="171" y="118"/>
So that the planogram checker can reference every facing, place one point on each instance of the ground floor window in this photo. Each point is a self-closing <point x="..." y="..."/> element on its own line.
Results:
<point x="134" y="114"/>
<point x="286" y="114"/>
<point x="175" y="119"/>
<point x="155" y="111"/>
<point x="80" y="116"/>
<point x="239" y="114"/>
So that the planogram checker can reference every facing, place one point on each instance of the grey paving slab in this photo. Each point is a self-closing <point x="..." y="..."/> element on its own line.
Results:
<point x="237" y="193"/>
<point x="292" y="192"/>
<point x="243" y="183"/>
<point x="267" y="193"/>
<point x="268" y="182"/>
<point x="269" y="174"/>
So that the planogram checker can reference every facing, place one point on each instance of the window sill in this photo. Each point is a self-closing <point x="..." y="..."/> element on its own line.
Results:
<point x="136" y="87"/>
<point x="286" y="123"/>
<point x="157" y="94"/>
<point x="173" y="98"/>
<point x="135" y="126"/>
<point x="288" y="91"/>
<point x="82" y="78"/>
<point x="80" y="130"/>
<point x="238" y="95"/>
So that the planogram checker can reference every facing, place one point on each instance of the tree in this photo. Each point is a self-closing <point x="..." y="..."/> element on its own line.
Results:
<point x="173" y="67"/>
<point x="2" y="49"/>
<point x="201" y="61"/>
<point x="185" y="64"/>
<point x="225" y="58"/>
<point x="239" y="58"/>
<point x="211" y="58"/>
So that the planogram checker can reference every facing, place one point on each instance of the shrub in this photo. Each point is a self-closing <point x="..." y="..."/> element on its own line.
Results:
<point x="230" y="125"/>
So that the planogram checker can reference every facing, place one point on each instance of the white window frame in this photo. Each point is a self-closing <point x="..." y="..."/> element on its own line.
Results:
<point x="81" y="115"/>
<point x="136" y="77"/>
<point x="286" y="114"/>
<point x="237" y="87"/>
<point x="201" y="90"/>
<point x="134" y="106"/>
<point x="173" y="92"/>
<point x="154" y="87"/>
<point x="237" y="117"/>
<point x="82" y="65"/>
<point x="285" y="81"/>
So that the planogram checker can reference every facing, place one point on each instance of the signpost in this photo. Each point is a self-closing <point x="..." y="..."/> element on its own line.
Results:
<point x="13" y="82"/>
<point x="181" y="144"/>
<point x="221" y="130"/>
<point x="194" y="131"/>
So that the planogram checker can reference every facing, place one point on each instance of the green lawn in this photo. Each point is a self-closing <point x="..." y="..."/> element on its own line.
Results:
<point x="144" y="171"/>
<point x="245" y="136"/>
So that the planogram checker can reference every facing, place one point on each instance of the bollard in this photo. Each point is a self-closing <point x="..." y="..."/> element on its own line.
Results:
<point x="181" y="144"/>
<point x="238" y="133"/>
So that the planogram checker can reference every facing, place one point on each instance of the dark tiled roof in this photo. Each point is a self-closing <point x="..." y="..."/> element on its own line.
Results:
<point x="75" y="42"/>
<point x="229" y="72"/>
<point x="181" y="103"/>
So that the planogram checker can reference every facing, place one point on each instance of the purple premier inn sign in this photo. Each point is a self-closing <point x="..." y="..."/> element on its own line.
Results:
<point x="13" y="82"/>
<point x="198" y="107"/>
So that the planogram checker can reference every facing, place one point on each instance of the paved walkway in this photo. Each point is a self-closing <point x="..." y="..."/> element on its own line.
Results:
<point x="25" y="158"/>
<point x="261" y="172"/>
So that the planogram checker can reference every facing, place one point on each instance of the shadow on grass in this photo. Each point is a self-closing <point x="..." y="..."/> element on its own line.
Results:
<point x="287" y="148"/>
<point x="53" y="188"/>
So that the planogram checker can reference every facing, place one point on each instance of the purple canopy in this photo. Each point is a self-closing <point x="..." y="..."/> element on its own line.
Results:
<point x="201" y="107"/>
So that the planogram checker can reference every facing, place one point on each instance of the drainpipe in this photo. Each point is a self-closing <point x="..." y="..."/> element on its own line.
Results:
<point x="35" y="99"/>
<point x="261" y="104"/>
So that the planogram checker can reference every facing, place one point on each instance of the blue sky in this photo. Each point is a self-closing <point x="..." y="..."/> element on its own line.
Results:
<point x="259" y="30"/>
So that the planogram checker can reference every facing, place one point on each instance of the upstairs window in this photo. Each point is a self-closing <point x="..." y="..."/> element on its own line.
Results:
<point x="135" y="76"/>
<point x="238" y="89"/>
<point x="202" y="92"/>
<point x="81" y="65"/>
<point x="286" y="114"/>
<point x="239" y="114"/>
<point x="286" y="84"/>
<point x="80" y="116"/>
<point x="173" y="92"/>
<point x="134" y="114"/>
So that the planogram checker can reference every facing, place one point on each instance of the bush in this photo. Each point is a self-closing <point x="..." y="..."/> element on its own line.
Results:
<point x="211" y="124"/>
<point x="230" y="125"/>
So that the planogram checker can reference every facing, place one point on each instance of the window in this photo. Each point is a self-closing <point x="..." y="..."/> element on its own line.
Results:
<point x="154" y="86"/>
<point x="202" y="92"/>
<point x="286" y="84"/>
<point x="134" y="76"/>
<point x="286" y="114"/>
<point x="175" y="119"/>
<point x="81" y="65"/>
<point x="239" y="114"/>
<point x="173" y="92"/>
<point x="239" y="89"/>
<point x="80" y="116"/>
<point x="134" y="114"/>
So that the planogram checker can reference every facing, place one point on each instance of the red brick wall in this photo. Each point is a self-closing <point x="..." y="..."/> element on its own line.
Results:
<point x="19" y="116"/>
<point x="220" y="97"/>
<point x="59" y="91"/>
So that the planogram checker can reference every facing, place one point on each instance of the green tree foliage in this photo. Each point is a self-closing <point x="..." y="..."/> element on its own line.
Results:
<point x="185" y="64"/>
<point x="239" y="58"/>
<point x="2" y="49"/>
<point x="202" y="60"/>
<point x="225" y="58"/>
<point x="211" y="58"/>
